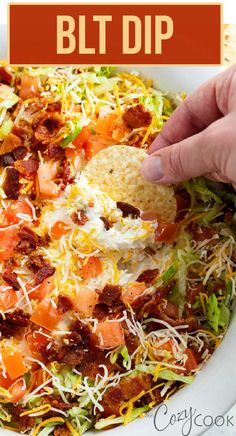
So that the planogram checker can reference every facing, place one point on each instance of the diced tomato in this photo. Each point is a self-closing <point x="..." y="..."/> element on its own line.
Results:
<point x="85" y="301"/>
<point x="91" y="267"/>
<point x="168" y="346"/>
<point x="38" y="377"/>
<point x="59" y="229"/>
<point x="8" y="297"/>
<point x="46" y="314"/>
<point x="47" y="286"/>
<point x="104" y="125"/>
<point x="191" y="362"/>
<point x="5" y="380"/>
<point x="29" y="87"/>
<point x="46" y="174"/>
<point x="132" y="292"/>
<point x="19" y="207"/>
<point x="93" y="147"/>
<point x="13" y="362"/>
<point x="35" y="340"/>
<point x="110" y="334"/>
<point x="17" y="390"/>
<point x="166" y="232"/>
<point x="83" y="137"/>
<point x="8" y="241"/>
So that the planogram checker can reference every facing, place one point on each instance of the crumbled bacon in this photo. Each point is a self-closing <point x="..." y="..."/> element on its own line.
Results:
<point x="62" y="431"/>
<point x="91" y="364"/>
<point x="55" y="152"/>
<point x="28" y="240"/>
<point x="148" y="276"/>
<point x="200" y="233"/>
<point x="36" y="261"/>
<point x="127" y="388"/>
<point x="29" y="87"/>
<point x="128" y="210"/>
<point x="5" y="76"/>
<point x="7" y="160"/>
<point x="10" y="143"/>
<point x="169" y="312"/>
<point x="43" y="273"/>
<point x="107" y="224"/>
<point x="79" y="217"/>
<point x="10" y="278"/>
<point x="19" y="153"/>
<point x="48" y="127"/>
<point x="64" y="304"/>
<point x="110" y="295"/>
<point x="67" y="179"/>
<point x="13" y="323"/>
<point x="27" y="167"/>
<point x="146" y="304"/>
<point x="137" y="116"/>
<point x="194" y="291"/>
<point x="72" y="355"/>
<point x="11" y="185"/>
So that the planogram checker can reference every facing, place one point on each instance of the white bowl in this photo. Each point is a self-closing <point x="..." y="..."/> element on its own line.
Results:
<point x="213" y="391"/>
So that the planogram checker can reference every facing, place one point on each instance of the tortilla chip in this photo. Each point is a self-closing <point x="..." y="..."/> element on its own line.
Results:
<point x="116" y="171"/>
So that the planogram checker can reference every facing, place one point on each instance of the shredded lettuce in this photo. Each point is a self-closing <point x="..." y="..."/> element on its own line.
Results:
<point x="218" y="314"/>
<point x="103" y="423"/>
<point x="165" y="374"/>
<point x="46" y="431"/>
<point x="7" y="97"/>
<point x="104" y="71"/>
<point x="123" y="351"/>
<point x="5" y="129"/>
<point x="76" y="129"/>
<point x="169" y="273"/>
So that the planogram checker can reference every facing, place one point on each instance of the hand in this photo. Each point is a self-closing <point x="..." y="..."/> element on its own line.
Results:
<point x="200" y="137"/>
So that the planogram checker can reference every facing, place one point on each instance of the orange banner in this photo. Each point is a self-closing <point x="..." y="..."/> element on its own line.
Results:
<point x="115" y="34"/>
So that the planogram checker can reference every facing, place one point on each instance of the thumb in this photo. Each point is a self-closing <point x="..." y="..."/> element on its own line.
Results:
<point x="211" y="152"/>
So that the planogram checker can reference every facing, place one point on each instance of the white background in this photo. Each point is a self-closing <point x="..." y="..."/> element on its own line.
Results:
<point x="229" y="17"/>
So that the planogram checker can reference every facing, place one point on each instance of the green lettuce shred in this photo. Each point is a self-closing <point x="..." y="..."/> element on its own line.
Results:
<point x="103" y="423"/>
<point x="218" y="314"/>
<point x="165" y="374"/>
<point x="76" y="129"/>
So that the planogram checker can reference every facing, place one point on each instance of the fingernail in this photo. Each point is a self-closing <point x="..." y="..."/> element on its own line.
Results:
<point x="152" y="169"/>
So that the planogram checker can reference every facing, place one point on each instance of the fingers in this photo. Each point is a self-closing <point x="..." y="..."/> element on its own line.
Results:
<point x="212" y="151"/>
<point x="204" y="106"/>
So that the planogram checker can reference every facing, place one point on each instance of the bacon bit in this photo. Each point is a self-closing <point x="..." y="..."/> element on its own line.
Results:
<point x="128" y="388"/>
<point x="56" y="152"/>
<point x="72" y="355"/>
<point x="199" y="233"/>
<point x="62" y="431"/>
<point x="44" y="272"/>
<point x="5" y="76"/>
<point x="29" y="87"/>
<point x="13" y="323"/>
<point x="110" y="295"/>
<point x="10" y="278"/>
<point x="48" y="127"/>
<point x="107" y="224"/>
<point x="128" y="210"/>
<point x="91" y="365"/>
<point x="137" y="116"/>
<point x="169" y="312"/>
<point x="10" y="143"/>
<point x="28" y="240"/>
<point x="11" y="185"/>
<point x="148" y="276"/>
<point x="79" y="217"/>
<point x="194" y="291"/>
<point x="7" y="160"/>
<point x="66" y="177"/>
<point x="64" y="304"/>
<point x="120" y="130"/>
<point x="36" y="261"/>
<point x="27" y="167"/>
<point x="19" y="153"/>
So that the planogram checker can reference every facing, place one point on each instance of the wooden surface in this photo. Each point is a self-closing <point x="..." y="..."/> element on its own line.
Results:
<point x="229" y="44"/>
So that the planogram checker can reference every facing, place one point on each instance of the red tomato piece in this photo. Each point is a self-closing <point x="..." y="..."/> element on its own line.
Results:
<point x="46" y="314"/>
<point x="166" y="232"/>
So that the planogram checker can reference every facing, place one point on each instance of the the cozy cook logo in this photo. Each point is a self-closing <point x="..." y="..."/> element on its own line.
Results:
<point x="115" y="34"/>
